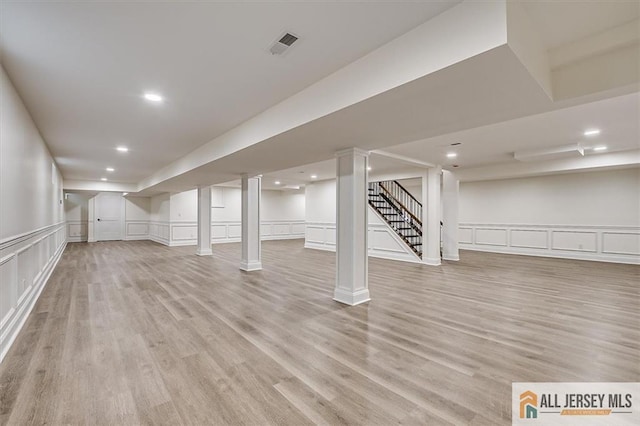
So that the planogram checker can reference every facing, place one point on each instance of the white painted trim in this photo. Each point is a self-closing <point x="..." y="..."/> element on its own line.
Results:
<point x="351" y="299"/>
<point x="203" y="252"/>
<point x="582" y="242"/>
<point x="84" y="231"/>
<point x="9" y="241"/>
<point x="37" y="275"/>
<point x="250" y="266"/>
<point x="129" y="235"/>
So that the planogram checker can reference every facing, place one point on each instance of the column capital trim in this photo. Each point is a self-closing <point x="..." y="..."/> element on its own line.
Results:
<point x="354" y="151"/>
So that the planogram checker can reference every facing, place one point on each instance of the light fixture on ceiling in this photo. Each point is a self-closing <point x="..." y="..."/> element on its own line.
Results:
<point x="122" y="149"/>
<point x="153" y="97"/>
<point x="599" y="148"/>
<point x="368" y="168"/>
<point x="277" y="182"/>
<point x="103" y="179"/>
<point x="591" y="132"/>
<point x="124" y="194"/>
<point x="452" y="155"/>
<point x="110" y="169"/>
<point x="314" y="176"/>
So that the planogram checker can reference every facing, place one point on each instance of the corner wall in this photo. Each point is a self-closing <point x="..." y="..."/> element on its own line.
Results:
<point x="32" y="227"/>
<point x="588" y="216"/>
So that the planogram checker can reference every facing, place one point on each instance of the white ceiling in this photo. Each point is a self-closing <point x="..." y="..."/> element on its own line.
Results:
<point x="380" y="165"/>
<point x="561" y="21"/>
<point x="617" y="118"/>
<point x="81" y="69"/>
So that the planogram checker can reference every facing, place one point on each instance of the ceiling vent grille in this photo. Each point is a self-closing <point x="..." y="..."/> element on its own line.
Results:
<point x="281" y="46"/>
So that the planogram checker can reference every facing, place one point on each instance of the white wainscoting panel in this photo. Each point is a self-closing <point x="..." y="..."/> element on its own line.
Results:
<point x="234" y="230"/>
<point x="530" y="238"/>
<point x="159" y="232"/>
<point x="231" y="231"/>
<point x="77" y="231"/>
<point x="574" y="240"/>
<point x="137" y="230"/>
<point x="186" y="233"/>
<point x="465" y="235"/>
<point x="620" y="244"/>
<point x="491" y="237"/>
<point x="26" y="262"/>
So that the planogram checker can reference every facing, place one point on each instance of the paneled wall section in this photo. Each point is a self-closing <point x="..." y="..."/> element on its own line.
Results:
<point x="26" y="262"/>
<point x="600" y="243"/>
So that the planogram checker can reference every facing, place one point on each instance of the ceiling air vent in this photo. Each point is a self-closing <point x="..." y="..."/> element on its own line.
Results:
<point x="281" y="46"/>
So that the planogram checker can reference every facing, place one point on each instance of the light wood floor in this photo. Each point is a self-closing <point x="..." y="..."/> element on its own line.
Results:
<point x="135" y="332"/>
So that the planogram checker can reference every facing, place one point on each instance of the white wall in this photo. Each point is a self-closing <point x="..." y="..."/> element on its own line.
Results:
<point x="592" y="215"/>
<point x="159" y="217"/>
<point x="320" y="201"/>
<point x="77" y="216"/>
<point x="320" y="226"/>
<point x="160" y="211"/>
<point x="137" y="218"/>
<point x="174" y="216"/>
<point x="282" y="205"/>
<point x="281" y="215"/>
<point x="32" y="230"/>
<point x="184" y="206"/>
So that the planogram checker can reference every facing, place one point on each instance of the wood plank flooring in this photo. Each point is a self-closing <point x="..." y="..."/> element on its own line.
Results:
<point x="140" y="333"/>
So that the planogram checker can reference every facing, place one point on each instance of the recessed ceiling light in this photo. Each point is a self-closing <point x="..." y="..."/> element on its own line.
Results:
<point x="277" y="182"/>
<point x="600" y="148"/>
<point x="103" y="179"/>
<point x="125" y="194"/>
<point x="369" y="169"/>
<point x="452" y="155"/>
<point x="153" y="97"/>
<point x="592" y="132"/>
<point x="110" y="169"/>
<point x="122" y="149"/>
<point x="314" y="176"/>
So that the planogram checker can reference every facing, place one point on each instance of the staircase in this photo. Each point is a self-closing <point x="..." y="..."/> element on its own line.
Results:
<point x="400" y="210"/>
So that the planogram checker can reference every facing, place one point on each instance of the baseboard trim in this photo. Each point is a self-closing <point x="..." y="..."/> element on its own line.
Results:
<point x="589" y="257"/>
<point x="251" y="266"/>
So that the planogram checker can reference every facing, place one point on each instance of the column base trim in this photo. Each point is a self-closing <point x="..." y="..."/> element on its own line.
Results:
<point x="251" y="266"/>
<point x="351" y="298"/>
<point x="204" y="252"/>
<point x="432" y="262"/>
<point x="453" y="257"/>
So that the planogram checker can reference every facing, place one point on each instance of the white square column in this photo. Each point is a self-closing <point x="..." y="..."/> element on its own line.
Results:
<point x="352" y="286"/>
<point x="431" y="216"/>
<point x="251" y="245"/>
<point x="450" y="195"/>
<point x="204" y="221"/>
